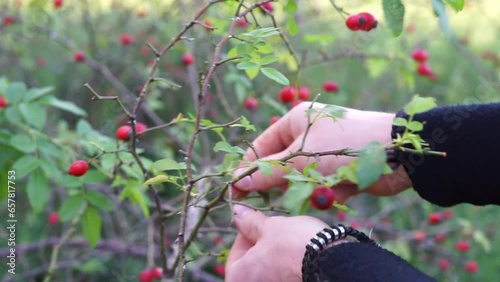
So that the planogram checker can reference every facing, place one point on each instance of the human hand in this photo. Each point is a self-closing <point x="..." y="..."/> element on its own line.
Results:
<point x="354" y="130"/>
<point x="269" y="248"/>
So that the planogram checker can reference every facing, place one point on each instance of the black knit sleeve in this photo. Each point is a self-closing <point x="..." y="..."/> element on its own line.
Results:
<point x="470" y="136"/>
<point x="358" y="262"/>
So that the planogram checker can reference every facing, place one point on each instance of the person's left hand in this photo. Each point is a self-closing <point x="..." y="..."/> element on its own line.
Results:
<point x="269" y="248"/>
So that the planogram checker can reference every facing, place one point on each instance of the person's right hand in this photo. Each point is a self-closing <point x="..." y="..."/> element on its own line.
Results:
<point x="354" y="130"/>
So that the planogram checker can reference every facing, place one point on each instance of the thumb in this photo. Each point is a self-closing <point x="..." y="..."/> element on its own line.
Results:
<point x="249" y="222"/>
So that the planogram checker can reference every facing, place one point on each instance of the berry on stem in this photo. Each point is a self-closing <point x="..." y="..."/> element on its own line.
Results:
<point x="217" y="240"/>
<point x="419" y="236"/>
<point x="3" y="102"/>
<point x="420" y="55"/>
<point x="8" y="20"/>
<point x="187" y="59"/>
<point x="440" y="237"/>
<point x="241" y="23"/>
<point x="352" y="22"/>
<point x="126" y="39"/>
<point x="471" y="266"/>
<point x="304" y="93"/>
<point x="145" y="276"/>
<point x="123" y="132"/>
<point x="274" y="119"/>
<point x="251" y="104"/>
<point x="140" y="127"/>
<point x="367" y="21"/>
<point x="444" y="264"/>
<point x="156" y="272"/>
<point x="53" y="218"/>
<point x="58" y="3"/>
<point x="322" y="198"/>
<point x="424" y="69"/>
<point x="330" y="86"/>
<point x="79" y="57"/>
<point x="435" y="218"/>
<point x="462" y="246"/>
<point x="219" y="269"/>
<point x="78" y="168"/>
<point x="268" y="6"/>
<point x="208" y="25"/>
<point x="287" y="94"/>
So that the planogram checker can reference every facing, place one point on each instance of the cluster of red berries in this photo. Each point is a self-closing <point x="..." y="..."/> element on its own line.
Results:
<point x="470" y="266"/>
<point x="361" y="21"/>
<point x="148" y="275"/>
<point x="123" y="132"/>
<point x="438" y="217"/>
<point x="423" y="68"/>
<point x="322" y="198"/>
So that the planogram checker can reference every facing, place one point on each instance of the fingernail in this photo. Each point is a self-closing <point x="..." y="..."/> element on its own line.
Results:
<point x="241" y="211"/>
<point x="245" y="183"/>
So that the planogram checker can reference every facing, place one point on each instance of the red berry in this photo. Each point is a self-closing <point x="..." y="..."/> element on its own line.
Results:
<point x="3" y="102"/>
<point x="219" y="269"/>
<point x="287" y="94"/>
<point x="440" y="237"/>
<point x="126" y="39"/>
<point x="341" y="215"/>
<point x="123" y="132"/>
<point x="444" y="264"/>
<point x="145" y="276"/>
<point x="447" y="214"/>
<point x="141" y="14"/>
<point x="462" y="246"/>
<point x="8" y="20"/>
<point x="367" y="21"/>
<point x="78" y="168"/>
<point x="58" y="3"/>
<point x="424" y="69"/>
<point x="304" y="93"/>
<point x="40" y="61"/>
<point x="435" y="218"/>
<point x="241" y="23"/>
<point x="156" y="273"/>
<point x="471" y="266"/>
<point x="208" y="25"/>
<point x="187" y="59"/>
<point x="419" y="235"/>
<point x="296" y="103"/>
<point x="274" y="119"/>
<point x="79" y="57"/>
<point x="251" y="104"/>
<point x="268" y="6"/>
<point x="217" y="240"/>
<point x="330" y="86"/>
<point x="140" y="127"/>
<point x="420" y="55"/>
<point x="322" y="198"/>
<point x="352" y="22"/>
<point x="53" y="218"/>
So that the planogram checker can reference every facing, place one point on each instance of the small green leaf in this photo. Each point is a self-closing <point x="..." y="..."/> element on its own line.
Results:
<point x="310" y="167"/>
<point x="458" y="5"/>
<point x="226" y="147"/>
<point x="246" y="65"/>
<point x="292" y="26"/>
<point x="38" y="191"/>
<point x="15" y="92"/>
<point x="291" y="7"/>
<point x="296" y="195"/>
<point x="252" y="73"/>
<point x="71" y="206"/>
<point x="400" y="122"/>
<point x="91" y="225"/>
<point x="275" y="75"/>
<point x="33" y="114"/>
<point x="25" y="165"/>
<point x="420" y="105"/>
<point x="67" y="106"/>
<point x="268" y="60"/>
<point x="99" y="200"/>
<point x="168" y="164"/>
<point x="348" y="173"/>
<point x="23" y="143"/>
<point x="93" y="176"/>
<point x="394" y="12"/>
<point x="134" y="193"/>
<point x="265" y="167"/>
<point x="415" y="126"/>
<point x="371" y="163"/>
<point x="157" y="180"/>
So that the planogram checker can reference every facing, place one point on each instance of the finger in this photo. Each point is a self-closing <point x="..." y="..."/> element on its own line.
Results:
<point x="240" y="246"/>
<point x="249" y="222"/>
<point x="274" y="139"/>
<point x="257" y="181"/>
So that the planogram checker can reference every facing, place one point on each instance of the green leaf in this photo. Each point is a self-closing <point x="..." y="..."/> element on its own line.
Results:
<point x="136" y="196"/>
<point x="13" y="115"/>
<point x="15" y="92"/>
<point x="400" y="122"/>
<point x="482" y="239"/>
<point x="91" y="225"/>
<point x="35" y="93"/>
<point x="158" y="179"/>
<point x="420" y="105"/>
<point x="296" y="195"/>
<point x="310" y="167"/>
<point x="99" y="200"/>
<point x="168" y="164"/>
<point x="348" y="172"/>
<point x="268" y="60"/>
<point x="319" y="39"/>
<point x="38" y="191"/>
<point x="247" y="65"/>
<point x="265" y="167"/>
<point x="394" y="12"/>
<point x="252" y="73"/>
<point x="71" y="206"/>
<point x="34" y="114"/>
<point x="23" y="143"/>
<point x="291" y="7"/>
<point x="67" y="106"/>
<point x="371" y="164"/>
<point x="415" y="126"/>
<point x="226" y="147"/>
<point x="264" y="47"/>
<point x="275" y="75"/>
<point x="458" y="5"/>
<point x="292" y="26"/>
<point x="25" y="165"/>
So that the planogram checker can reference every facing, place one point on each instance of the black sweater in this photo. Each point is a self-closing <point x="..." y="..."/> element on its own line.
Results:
<point x="470" y="135"/>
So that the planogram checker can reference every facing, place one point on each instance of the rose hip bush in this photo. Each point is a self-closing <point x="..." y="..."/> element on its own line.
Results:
<point x="124" y="123"/>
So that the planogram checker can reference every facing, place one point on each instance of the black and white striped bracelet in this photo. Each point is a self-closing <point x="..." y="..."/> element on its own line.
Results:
<point x="323" y="239"/>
